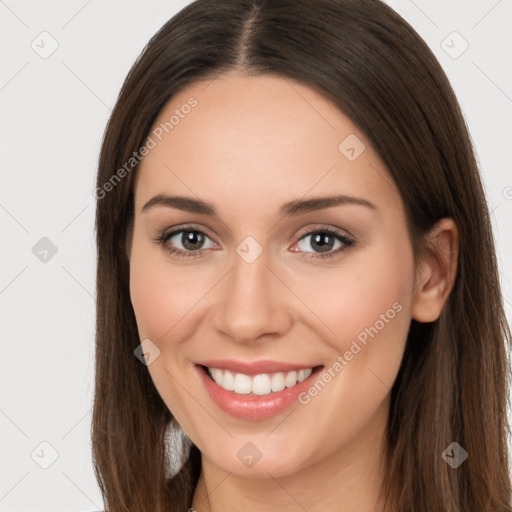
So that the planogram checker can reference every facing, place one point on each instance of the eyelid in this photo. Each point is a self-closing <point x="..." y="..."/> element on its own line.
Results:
<point x="167" y="233"/>
<point x="320" y="227"/>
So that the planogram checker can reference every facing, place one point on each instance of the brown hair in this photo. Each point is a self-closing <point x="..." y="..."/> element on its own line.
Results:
<point x="453" y="381"/>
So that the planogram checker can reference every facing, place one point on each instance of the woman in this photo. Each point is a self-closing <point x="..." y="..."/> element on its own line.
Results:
<point x="296" y="273"/>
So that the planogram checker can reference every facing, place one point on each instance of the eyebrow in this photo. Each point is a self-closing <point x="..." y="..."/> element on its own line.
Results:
<point x="292" y="208"/>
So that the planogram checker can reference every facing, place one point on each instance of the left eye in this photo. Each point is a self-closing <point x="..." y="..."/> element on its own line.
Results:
<point x="324" y="241"/>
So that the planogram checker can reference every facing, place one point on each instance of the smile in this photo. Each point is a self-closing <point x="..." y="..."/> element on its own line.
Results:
<point x="256" y="394"/>
<point x="262" y="384"/>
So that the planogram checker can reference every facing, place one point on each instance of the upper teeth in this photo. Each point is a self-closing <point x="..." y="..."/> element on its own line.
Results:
<point x="262" y="384"/>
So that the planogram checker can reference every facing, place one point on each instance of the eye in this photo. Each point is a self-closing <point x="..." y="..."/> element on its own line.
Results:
<point x="188" y="242"/>
<point x="324" y="240"/>
<point x="191" y="241"/>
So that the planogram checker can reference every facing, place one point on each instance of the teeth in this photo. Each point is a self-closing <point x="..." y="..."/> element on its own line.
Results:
<point x="262" y="384"/>
<point x="242" y="384"/>
<point x="290" y="379"/>
<point x="278" y="382"/>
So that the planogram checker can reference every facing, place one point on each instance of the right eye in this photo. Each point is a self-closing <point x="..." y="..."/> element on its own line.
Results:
<point x="191" y="241"/>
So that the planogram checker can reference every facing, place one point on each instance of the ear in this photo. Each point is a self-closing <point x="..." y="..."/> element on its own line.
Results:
<point x="436" y="272"/>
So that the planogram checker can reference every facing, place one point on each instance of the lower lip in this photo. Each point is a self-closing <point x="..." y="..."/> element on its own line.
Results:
<point x="254" y="407"/>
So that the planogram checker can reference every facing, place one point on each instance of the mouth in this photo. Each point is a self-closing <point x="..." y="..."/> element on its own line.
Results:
<point x="256" y="390"/>
<point x="255" y="395"/>
<point x="260" y="384"/>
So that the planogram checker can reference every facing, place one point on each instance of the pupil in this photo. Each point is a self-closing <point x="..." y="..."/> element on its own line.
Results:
<point x="323" y="246"/>
<point x="192" y="240"/>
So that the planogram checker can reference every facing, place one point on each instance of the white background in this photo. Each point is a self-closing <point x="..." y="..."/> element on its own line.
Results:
<point x="53" y="113"/>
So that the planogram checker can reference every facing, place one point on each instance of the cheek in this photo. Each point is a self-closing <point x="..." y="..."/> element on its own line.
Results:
<point x="370" y="288"/>
<point x="366" y="305"/>
<point x="148" y="296"/>
<point x="368" y="308"/>
<point x="161" y="293"/>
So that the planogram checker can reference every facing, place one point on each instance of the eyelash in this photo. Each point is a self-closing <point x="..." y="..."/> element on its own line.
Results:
<point x="164" y="237"/>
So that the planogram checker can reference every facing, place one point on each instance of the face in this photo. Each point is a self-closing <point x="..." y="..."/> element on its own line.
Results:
<point x="255" y="286"/>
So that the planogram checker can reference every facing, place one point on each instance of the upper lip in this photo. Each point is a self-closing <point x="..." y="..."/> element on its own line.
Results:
<point x="254" y="367"/>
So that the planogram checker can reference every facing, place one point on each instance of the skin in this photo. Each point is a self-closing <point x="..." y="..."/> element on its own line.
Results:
<point x="251" y="144"/>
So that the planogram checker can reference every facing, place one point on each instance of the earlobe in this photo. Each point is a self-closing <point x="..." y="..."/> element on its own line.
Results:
<point x="436" y="272"/>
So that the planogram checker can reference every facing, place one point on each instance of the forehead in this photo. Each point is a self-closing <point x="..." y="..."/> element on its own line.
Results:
<point x="257" y="139"/>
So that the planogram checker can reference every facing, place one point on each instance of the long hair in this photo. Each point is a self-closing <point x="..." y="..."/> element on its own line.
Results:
<point x="453" y="382"/>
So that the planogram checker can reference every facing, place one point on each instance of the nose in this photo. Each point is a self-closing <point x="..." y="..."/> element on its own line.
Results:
<point x="253" y="302"/>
